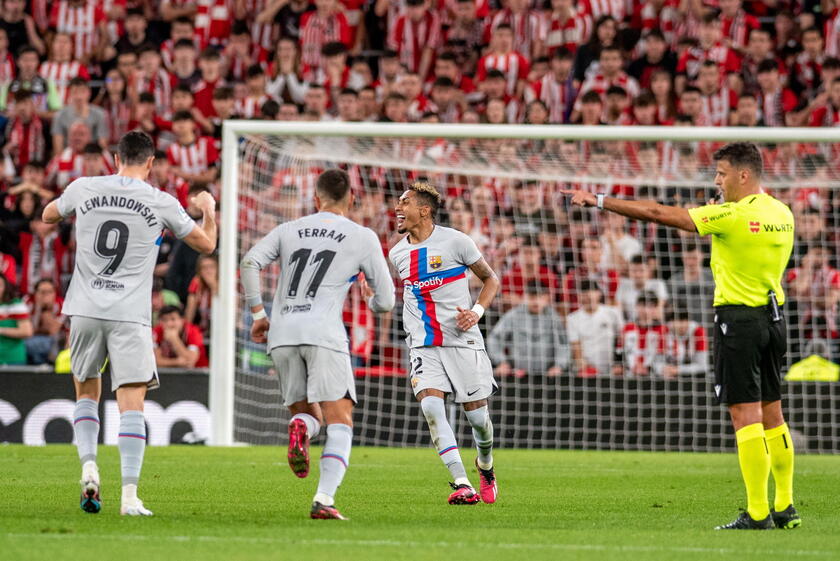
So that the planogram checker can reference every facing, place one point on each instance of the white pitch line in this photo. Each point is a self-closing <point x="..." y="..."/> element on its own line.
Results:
<point x="400" y="543"/>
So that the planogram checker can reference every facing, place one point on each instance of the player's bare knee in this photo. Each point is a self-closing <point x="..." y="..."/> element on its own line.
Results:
<point x="473" y="405"/>
<point x="429" y="393"/>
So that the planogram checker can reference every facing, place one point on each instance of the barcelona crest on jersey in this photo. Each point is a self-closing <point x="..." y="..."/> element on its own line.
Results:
<point x="435" y="261"/>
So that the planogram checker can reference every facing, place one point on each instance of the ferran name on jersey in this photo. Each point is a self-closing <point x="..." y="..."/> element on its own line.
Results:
<point x="435" y="262"/>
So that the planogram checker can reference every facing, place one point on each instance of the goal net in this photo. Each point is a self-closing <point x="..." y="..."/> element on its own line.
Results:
<point x="602" y="332"/>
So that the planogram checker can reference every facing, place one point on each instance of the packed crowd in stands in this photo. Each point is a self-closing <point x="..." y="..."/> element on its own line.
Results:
<point x="77" y="74"/>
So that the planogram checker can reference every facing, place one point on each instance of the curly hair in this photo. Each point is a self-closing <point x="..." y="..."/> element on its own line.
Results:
<point x="427" y="195"/>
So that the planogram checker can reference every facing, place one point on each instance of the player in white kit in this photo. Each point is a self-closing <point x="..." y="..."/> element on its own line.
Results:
<point x="120" y="221"/>
<point x="320" y="257"/>
<point x="446" y="347"/>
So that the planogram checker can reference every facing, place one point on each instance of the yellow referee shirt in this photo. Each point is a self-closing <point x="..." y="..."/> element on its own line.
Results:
<point x="751" y="244"/>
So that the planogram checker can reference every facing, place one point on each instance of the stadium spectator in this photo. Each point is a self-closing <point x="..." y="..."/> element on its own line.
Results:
<point x="528" y="266"/>
<point x="815" y="288"/>
<point x="639" y="280"/>
<point x="590" y="251"/>
<point x="556" y="88"/>
<point x="61" y="66"/>
<point x="501" y="56"/>
<point x="692" y="285"/>
<point x="183" y="66"/>
<point x="464" y="38"/>
<point x="415" y="36"/>
<point x="178" y="343"/>
<point x="180" y="28"/>
<point x="285" y="15"/>
<point x="113" y="99"/>
<point x="134" y="35"/>
<point x="193" y="157"/>
<point x="317" y="28"/>
<point x="604" y="35"/>
<point x="201" y="291"/>
<point x="210" y="66"/>
<point x="528" y="26"/>
<point x="20" y="26"/>
<point x="593" y="330"/>
<point x="776" y="101"/>
<point x="78" y="109"/>
<point x="641" y="345"/>
<point x="657" y="57"/>
<point x="609" y="74"/>
<point x="530" y="339"/>
<point x="619" y="246"/>
<point x="26" y="133"/>
<point x="48" y="325"/>
<point x="15" y="325"/>
<point x="709" y="47"/>
<point x="686" y="347"/>
<point x="567" y="26"/>
<point x="747" y="112"/>
<point x="45" y="93"/>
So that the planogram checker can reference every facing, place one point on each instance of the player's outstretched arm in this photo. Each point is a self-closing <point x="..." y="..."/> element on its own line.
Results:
<point x="203" y="238"/>
<point x="468" y="318"/>
<point x="647" y="211"/>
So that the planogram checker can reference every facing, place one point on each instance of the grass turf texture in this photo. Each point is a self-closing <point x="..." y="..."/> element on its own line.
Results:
<point x="244" y="503"/>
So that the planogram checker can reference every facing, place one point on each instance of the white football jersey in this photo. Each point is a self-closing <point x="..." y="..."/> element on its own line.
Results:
<point x="320" y="257"/>
<point x="119" y="226"/>
<point x="434" y="277"/>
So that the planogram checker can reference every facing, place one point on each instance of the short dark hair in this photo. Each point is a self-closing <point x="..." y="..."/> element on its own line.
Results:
<point x="22" y="95"/>
<point x="223" y="92"/>
<point x="768" y="65"/>
<point x="166" y="310"/>
<point x="616" y="90"/>
<point x="495" y="74"/>
<point x="160" y="155"/>
<point x="647" y="297"/>
<point x="591" y="97"/>
<point x="183" y="88"/>
<point x="427" y="195"/>
<point x="240" y="27"/>
<point x="78" y="81"/>
<point x="135" y="148"/>
<point x="254" y="70"/>
<point x="535" y="286"/>
<point x="586" y="285"/>
<point x="741" y="155"/>
<point x="27" y="49"/>
<point x="333" y="184"/>
<point x="92" y="148"/>
<point x="638" y="259"/>
<point x="146" y="97"/>
<point x="184" y="44"/>
<point x="270" y="109"/>
<point x="182" y="116"/>
<point x="334" y="48"/>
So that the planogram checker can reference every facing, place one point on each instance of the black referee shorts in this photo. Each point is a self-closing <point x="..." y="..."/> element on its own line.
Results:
<point x="749" y="352"/>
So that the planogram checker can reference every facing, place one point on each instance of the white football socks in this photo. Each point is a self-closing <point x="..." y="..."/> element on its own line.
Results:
<point x="443" y="438"/>
<point x="482" y="428"/>
<point x="86" y="429"/>
<point x="132" y="445"/>
<point x="313" y="427"/>
<point x="334" y="462"/>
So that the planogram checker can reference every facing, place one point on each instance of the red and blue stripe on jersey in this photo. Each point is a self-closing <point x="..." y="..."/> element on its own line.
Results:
<point x="422" y="283"/>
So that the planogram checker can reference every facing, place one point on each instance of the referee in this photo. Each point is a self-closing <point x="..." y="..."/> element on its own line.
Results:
<point x="752" y="239"/>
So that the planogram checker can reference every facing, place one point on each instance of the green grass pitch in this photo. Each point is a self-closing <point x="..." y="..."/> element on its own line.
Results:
<point x="244" y="503"/>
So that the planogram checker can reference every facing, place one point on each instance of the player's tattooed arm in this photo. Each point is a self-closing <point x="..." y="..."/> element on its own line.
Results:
<point x="468" y="318"/>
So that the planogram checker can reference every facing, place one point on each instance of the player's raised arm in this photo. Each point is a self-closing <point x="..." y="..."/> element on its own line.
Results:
<point x="203" y="237"/>
<point x="378" y="287"/>
<point x="648" y="211"/>
<point x="265" y="252"/>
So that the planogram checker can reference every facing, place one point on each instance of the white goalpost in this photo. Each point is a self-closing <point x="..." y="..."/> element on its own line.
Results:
<point x="268" y="171"/>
